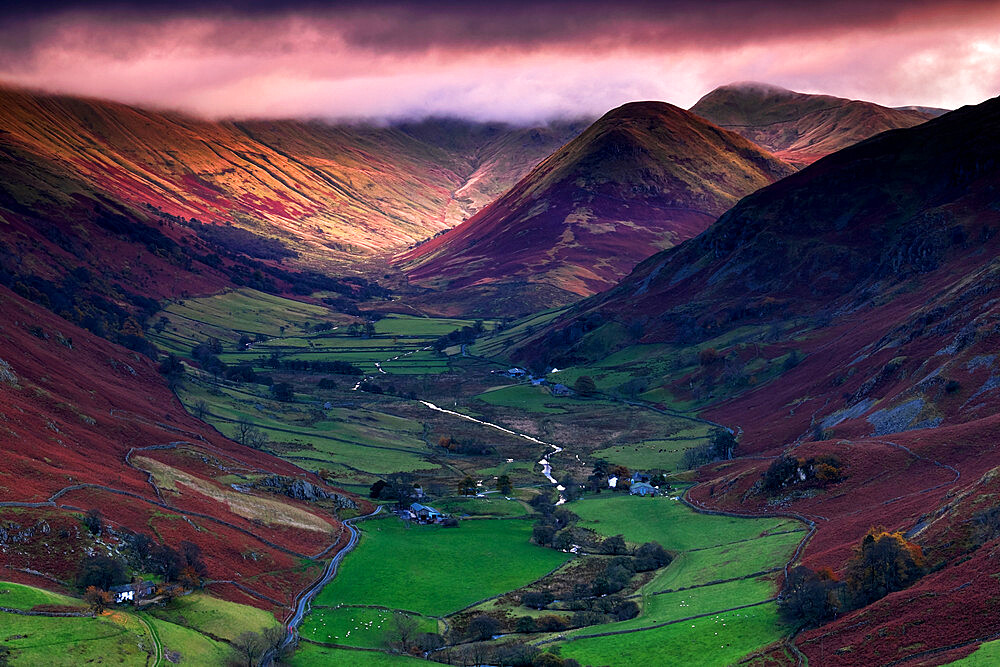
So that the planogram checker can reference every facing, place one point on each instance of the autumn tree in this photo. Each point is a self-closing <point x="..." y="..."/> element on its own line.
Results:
<point x="96" y="599"/>
<point x="884" y="562"/>
<point x="248" y="648"/>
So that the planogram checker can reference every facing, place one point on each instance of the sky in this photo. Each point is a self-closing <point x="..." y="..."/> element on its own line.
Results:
<point x="508" y="60"/>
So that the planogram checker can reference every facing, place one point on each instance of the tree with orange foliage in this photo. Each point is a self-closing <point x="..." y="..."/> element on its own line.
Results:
<point x="97" y="599"/>
<point x="883" y="563"/>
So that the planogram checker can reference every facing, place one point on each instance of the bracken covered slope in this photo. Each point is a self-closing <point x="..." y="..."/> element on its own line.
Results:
<point x="86" y="424"/>
<point x="644" y="177"/>
<point x="798" y="127"/>
<point x="879" y="265"/>
<point x="333" y="191"/>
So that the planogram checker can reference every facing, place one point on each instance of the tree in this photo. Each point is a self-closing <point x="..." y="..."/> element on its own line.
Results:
<point x="97" y="599"/>
<point x="283" y="391"/>
<point x="248" y="435"/>
<point x="884" y="562"/>
<point x="504" y="486"/>
<point x="585" y="386"/>
<point x="483" y="627"/>
<point x="172" y="369"/>
<point x="248" y="648"/>
<point x="467" y="486"/>
<point x="536" y="600"/>
<point x="809" y="598"/>
<point x="101" y="572"/>
<point x="201" y="409"/>
<point x="614" y="545"/>
<point x="723" y="444"/>
<point x="400" y="635"/>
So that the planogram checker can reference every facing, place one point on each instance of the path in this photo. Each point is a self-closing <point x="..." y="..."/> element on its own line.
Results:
<point x="304" y="600"/>
<point x="157" y="645"/>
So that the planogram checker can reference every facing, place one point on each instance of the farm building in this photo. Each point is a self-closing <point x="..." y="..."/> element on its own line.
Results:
<point x="561" y="390"/>
<point x="425" y="513"/>
<point x="642" y="489"/>
<point x="132" y="592"/>
<point x="517" y="372"/>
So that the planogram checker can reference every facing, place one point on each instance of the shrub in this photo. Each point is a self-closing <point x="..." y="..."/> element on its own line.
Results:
<point x="537" y="600"/>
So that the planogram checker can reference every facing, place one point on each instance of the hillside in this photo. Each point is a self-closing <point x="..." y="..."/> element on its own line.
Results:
<point x="848" y="311"/>
<point x="644" y="177"/>
<point x="88" y="425"/>
<point x="798" y="127"/>
<point x="327" y="191"/>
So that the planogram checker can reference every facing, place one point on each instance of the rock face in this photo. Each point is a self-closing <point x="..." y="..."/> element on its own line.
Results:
<point x="7" y="374"/>
<point x="300" y="489"/>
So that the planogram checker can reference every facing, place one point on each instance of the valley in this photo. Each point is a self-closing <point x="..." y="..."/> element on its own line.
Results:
<point x="712" y="386"/>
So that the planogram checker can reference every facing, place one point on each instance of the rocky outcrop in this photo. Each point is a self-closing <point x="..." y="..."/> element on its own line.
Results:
<point x="300" y="489"/>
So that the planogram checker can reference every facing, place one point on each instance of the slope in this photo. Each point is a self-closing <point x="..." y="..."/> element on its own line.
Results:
<point x="329" y="191"/>
<point x="877" y="266"/>
<point x="644" y="177"/>
<point x="89" y="425"/>
<point x="798" y="127"/>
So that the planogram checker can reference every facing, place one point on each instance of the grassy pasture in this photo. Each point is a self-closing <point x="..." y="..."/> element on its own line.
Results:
<point x="310" y="655"/>
<point x="355" y="626"/>
<point x="220" y="618"/>
<point x="193" y="647"/>
<point x="18" y="596"/>
<point x="710" y="548"/>
<point x="715" y="640"/>
<point x="434" y="570"/>
<point x="492" y="505"/>
<point x="115" y="637"/>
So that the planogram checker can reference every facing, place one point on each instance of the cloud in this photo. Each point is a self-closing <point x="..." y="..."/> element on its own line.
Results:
<point x="503" y="60"/>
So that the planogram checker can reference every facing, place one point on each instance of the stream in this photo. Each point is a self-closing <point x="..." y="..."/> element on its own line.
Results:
<point x="544" y="462"/>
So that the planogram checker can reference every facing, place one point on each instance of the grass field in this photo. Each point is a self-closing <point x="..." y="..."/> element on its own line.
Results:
<point x="39" y="640"/>
<point x="310" y="655"/>
<point x="717" y="640"/>
<point x="708" y="549"/>
<point x="434" y="570"/>
<point x="189" y="646"/>
<point x="204" y="613"/>
<point x="355" y="626"/>
<point x="492" y="505"/>
<point x="987" y="655"/>
<point x="17" y="596"/>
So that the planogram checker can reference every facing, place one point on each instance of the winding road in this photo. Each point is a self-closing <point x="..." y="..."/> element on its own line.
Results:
<point x="305" y="598"/>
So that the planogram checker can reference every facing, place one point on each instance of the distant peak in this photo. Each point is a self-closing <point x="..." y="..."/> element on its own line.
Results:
<point x="755" y="87"/>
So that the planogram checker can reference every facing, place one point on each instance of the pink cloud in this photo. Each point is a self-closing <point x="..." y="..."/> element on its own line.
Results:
<point x="396" y="62"/>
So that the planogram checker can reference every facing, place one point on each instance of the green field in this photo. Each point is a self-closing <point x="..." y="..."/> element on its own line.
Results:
<point x="434" y="570"/>
<point x="716" y="640"/>
<point x="40" y="640"/>
<point x="492" y="505"/>
<point x="987" y="655"/>
<point x="708" y="549"/>
<point x="17" y="596"/>
<point x="354" y="626"/>
<point x="219" y="618"/>
<point x="190" y="646"/>
<point x="374" y="441"/>
<point x="310" y="655"/>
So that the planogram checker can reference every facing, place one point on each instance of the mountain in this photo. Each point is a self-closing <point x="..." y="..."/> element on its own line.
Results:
<point x="644" y="177"/>
<point x="801" y="128"/>
<point x="328" y="191"/>
<point x="847" y="311"/>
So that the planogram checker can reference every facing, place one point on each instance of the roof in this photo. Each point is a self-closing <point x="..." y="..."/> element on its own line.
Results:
<point x="416" y="507"/>
<point x="643" y="485"/>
